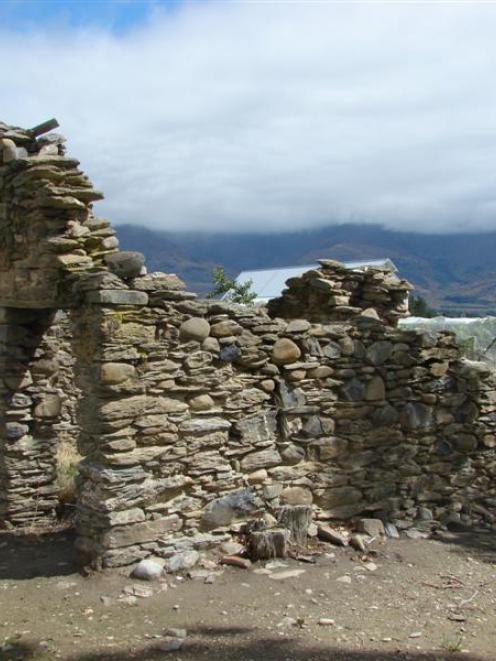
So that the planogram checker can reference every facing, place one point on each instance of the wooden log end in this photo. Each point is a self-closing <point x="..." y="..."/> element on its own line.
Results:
<point x="268" y="544"/>
<point x="40" y="129"/>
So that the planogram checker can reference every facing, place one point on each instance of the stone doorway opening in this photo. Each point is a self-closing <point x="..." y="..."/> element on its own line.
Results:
<point x="39" y="452"/>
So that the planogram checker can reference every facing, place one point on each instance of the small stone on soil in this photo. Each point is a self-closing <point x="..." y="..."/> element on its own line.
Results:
<point x="170" y="645"/>
<point x="344" y="579"/>
<point x="326" y="622"/>
<point x="236" y="561"/>
<point x="291" y="573"/>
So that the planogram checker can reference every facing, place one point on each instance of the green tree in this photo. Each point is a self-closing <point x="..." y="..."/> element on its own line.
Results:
<point x="419" y="308"/>
<point x="235" y="292"/>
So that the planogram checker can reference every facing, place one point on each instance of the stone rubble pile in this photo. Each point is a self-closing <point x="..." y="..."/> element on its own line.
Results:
<point x="195" y="417"/>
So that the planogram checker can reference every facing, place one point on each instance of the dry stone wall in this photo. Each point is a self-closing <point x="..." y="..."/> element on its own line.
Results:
<point x="210" y="414"/>
<point x="195" y="416"/>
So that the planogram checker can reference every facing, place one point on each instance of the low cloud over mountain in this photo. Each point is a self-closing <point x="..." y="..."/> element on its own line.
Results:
<point x="270" y="116"/>
<point x="455" y="273"/>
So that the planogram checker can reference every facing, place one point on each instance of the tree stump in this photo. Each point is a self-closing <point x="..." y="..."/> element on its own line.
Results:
<point x="268" y="544"/>
<point x="296" y="520"/>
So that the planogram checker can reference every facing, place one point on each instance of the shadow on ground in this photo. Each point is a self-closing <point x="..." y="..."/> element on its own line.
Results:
<point x="224" y="646"/>
<point x="480" y="545"/>
<point x="31" y="555"/>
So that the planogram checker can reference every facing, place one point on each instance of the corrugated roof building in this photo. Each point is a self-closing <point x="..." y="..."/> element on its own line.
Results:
<point x="269" y="283"/>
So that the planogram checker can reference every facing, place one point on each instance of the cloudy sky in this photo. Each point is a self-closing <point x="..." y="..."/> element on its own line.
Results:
<point x="266" y="115"/>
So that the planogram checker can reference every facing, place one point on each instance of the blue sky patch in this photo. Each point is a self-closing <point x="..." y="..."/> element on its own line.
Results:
<point x="111" y="15"/>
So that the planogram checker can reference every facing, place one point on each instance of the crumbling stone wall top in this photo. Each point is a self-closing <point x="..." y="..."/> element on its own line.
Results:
<point x="336" y="293"/>
<point x="47" y="227"/>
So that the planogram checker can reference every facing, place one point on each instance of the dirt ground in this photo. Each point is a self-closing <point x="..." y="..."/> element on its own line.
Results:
<point x="411" y="599"/>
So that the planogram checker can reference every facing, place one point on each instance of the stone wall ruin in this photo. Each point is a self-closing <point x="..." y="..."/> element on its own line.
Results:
<point x="194" y="415"/>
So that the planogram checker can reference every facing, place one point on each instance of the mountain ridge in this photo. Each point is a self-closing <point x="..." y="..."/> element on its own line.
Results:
<point x="455" y="273"/>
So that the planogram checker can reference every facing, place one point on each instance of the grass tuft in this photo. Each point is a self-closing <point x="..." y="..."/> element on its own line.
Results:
<point x="452" y="644"/>
<point x="68" y="459"/>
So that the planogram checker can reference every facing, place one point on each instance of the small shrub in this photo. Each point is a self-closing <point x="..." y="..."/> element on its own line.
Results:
<point x="419" y="308"/>
<point x="234" y="291"/>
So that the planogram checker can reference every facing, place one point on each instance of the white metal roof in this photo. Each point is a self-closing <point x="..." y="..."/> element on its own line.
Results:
<point x="269" y="283"/>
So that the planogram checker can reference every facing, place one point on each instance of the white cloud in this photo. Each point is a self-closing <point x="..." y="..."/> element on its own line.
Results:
<point x="274" y="116"/>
